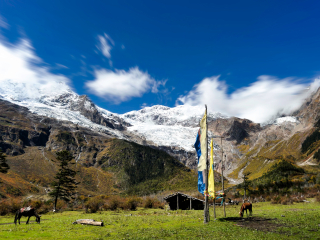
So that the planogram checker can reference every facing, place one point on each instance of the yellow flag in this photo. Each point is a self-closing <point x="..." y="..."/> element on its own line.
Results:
<point x="203" y="143"/>
<point x="211" y="173"/>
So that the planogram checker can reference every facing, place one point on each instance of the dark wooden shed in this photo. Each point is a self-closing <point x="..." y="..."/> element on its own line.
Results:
<point x="184" y="202"/>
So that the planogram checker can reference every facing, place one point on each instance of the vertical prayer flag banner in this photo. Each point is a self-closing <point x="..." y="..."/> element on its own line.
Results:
<point x="201" y="184"/>
<point x="203" y="141"/>
<point x="211" y="173"/>
<point x="201" y="148"/>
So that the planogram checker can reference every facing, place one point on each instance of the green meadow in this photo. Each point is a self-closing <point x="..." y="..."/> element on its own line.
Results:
<point x="295" y="221"/>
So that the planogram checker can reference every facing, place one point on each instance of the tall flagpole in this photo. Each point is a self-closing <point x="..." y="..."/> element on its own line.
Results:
<point x="214" y="199"/>
<point x="206" y="207"/>
<point x="222" y="166"/>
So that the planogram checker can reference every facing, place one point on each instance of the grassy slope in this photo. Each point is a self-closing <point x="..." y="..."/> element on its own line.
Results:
<point x="300" y="222"/>
<point x="260" y="159"/>
<point x="123" y="167"/>
<point x="35" y="168"/>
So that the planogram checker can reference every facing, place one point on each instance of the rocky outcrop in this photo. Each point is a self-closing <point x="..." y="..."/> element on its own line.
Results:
<point x="309" y="112"/>
<point x="241" y="129"/>
<point x="88" y="109"/>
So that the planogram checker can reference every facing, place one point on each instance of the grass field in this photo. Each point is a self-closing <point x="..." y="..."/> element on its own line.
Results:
<point x="297" y="221"/>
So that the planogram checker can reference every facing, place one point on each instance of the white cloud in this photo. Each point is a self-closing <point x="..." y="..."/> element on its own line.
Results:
<point x="20" y="66"/>
<point x="105" y="45"/>
<point x="259" y="102"/>
<point x="157" y="84"/>
<point x="120" y="85"/>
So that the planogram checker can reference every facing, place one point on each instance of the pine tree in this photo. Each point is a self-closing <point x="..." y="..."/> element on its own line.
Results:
<point x="4" y="167"/>
<point x="64" y="187"/>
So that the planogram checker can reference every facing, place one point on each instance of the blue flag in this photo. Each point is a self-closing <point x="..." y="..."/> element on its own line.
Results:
<point x="201" y="184"/>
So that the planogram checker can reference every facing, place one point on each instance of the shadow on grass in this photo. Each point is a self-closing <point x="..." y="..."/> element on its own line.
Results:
<point x="256" y="223"/>
<point x="247" y="219"/>
<point x="22" y="222"/>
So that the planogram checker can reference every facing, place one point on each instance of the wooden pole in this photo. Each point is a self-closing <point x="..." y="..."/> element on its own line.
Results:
<point x="177" y="201"/>
<point x="206" y="208"/>
<point x="214" y="207"/>
<point x="224" y="206"/>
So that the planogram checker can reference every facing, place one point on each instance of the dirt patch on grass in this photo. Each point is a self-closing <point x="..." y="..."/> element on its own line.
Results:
<point x="256" y="223"/>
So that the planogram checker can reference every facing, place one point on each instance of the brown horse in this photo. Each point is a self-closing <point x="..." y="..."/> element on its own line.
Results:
<point x="246" y="206"/>
<point x="26" y="212"/>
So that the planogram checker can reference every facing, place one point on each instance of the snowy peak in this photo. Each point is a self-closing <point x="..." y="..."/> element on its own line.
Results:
<point x="32" y="91"/>
<point x="183" y="115"/>
<point x="57" y="100"/>
<point x="175" y="128"/>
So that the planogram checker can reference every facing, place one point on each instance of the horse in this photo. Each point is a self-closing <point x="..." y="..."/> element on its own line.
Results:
<point x="246" y="206"/>
<point x="26" y="212"/>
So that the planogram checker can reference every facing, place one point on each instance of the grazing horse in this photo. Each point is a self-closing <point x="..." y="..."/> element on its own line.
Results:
<point x="26" y="212"/>
<point x="246" y="206"/>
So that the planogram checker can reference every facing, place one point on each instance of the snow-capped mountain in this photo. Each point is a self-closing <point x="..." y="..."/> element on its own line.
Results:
<point x="182" y="115"/>
<point x="171" y="129"/>
<point x="60" y="102"/>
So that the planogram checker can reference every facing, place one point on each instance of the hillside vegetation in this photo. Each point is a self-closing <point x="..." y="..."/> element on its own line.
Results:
<point x="122" y="168"/>
<point x="144" y="170"/>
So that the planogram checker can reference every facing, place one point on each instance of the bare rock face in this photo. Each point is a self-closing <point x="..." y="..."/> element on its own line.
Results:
<point x="241" y="129"/>
<point x="88" y="109"/>
<point x="17" y="131"/>
<point x="309" y="112"/>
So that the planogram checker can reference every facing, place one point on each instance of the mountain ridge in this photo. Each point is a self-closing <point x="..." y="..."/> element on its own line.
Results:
<point x="65" y="120"/>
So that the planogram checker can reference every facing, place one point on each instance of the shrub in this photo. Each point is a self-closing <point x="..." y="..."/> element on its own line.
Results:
<point x="286" y="201"/>
<point x="4" y="207"/>
<point x="37" y="204"/>
<point x="158" y="204"/>
<point x="15" y="206"/>
<point x="45" y="209"/>
<point x="148" y="203"/>
<point x="132" y="203"/>
<point x="94" y="204"/>
<point x="153" y="203"/>
<point x="9" y="206"/>
<point x="276" y="200"/>
<point x="113" y="203"/>
<point x="298" y="199"/>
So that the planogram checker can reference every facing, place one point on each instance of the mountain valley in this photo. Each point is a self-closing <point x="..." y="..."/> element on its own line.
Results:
<point x="139" y="152"/>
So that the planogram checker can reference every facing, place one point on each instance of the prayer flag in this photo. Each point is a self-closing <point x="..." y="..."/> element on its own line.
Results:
<point x="203" y="141"/>
<point x="201" y="184"/>
<point x="211" y="173"/>
<point x="201" y="148"/>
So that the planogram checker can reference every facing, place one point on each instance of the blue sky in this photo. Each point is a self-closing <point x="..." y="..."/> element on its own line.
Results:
<point x="129" y="54"/>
